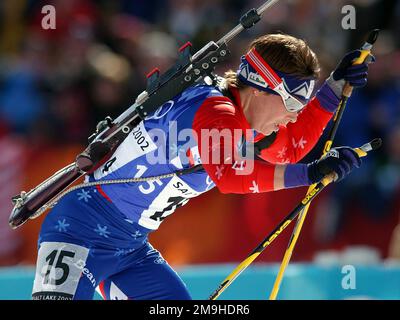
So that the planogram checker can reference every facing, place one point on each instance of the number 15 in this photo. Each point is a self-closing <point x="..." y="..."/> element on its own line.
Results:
<point x="150" y="184"/>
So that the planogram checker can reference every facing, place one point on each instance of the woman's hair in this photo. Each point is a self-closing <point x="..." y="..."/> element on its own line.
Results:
<point x="283" y="53"/>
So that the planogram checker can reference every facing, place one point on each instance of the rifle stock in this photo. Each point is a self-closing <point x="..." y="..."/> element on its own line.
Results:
<point x="26" y="204"/>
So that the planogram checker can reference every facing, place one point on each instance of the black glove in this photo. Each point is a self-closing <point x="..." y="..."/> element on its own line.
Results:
<point x="341" y="160"/>
<point x="355" y="75"/>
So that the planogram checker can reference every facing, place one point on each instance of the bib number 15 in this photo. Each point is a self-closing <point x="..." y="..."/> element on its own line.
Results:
<point x="148" y="186"/>
<point x="49" y="277"/>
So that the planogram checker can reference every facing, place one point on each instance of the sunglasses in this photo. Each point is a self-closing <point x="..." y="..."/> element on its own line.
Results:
<point x="274" y="82"/>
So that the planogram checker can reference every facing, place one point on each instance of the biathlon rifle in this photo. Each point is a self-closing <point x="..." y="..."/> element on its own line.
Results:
<point x="188" y="71"/>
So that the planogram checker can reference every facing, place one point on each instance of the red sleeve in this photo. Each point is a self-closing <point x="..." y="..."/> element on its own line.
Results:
<point x="219" y="152"/>
<point x="297" y="139"/>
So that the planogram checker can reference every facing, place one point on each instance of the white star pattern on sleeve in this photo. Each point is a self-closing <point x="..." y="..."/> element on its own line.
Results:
<point x="282" y="153"/>
<point x="219" y="172"/>
<point x="254" y="188"/>
<point x="84" y="195"/>
<point x="299" y="144"/>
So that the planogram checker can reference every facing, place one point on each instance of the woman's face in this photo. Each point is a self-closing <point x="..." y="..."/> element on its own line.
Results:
<point x="266" y="112"/>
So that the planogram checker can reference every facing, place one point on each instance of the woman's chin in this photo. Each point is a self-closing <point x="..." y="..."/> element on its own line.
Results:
<point x="269" y="131"/>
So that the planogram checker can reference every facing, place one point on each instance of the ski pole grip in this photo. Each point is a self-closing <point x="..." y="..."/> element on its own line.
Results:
<point x="348" y="89"/>
<point x="370" y="146"/>
<point x="365" y="51"/>
<point x="329" y="178"/>
<point x="364" y="54"/>
<point x="361" y="151"/>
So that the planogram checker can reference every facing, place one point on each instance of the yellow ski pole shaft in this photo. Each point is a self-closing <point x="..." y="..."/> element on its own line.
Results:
<point x="347" y="91"/>
<point x="270" y="238"/>
<point x="362" y="152"/>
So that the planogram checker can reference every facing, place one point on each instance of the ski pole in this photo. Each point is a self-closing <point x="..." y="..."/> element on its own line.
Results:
<point x="347" y="91"/>
<point x="362" y="152"/>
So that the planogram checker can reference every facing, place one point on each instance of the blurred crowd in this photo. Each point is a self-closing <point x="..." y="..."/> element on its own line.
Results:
<point x="55" y="85"/>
